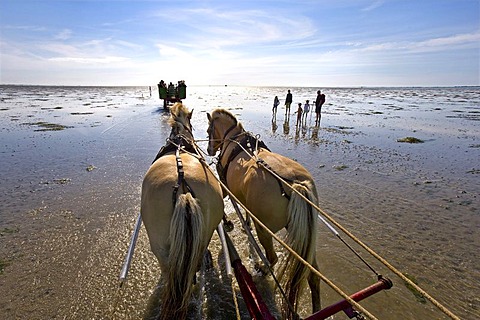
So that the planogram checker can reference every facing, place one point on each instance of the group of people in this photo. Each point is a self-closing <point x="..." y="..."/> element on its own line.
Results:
<point x="302" y="113"/>
<point x="172" y="91"/>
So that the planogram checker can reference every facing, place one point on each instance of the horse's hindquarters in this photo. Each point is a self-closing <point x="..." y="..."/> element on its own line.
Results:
<point x="158" y="197"/>
<point x="179" y="223"/>
<point x="157" y="204"/>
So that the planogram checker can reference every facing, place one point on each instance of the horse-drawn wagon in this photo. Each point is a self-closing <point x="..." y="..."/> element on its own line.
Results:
<point x="172" y="93"/>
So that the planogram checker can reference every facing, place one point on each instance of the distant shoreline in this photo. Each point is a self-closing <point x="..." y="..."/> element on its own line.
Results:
<point x="246" y="86"/>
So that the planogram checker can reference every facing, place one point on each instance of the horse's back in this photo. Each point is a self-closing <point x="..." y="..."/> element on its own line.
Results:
<point x="256" y="177"/>
<point x="285" y="167"/>
<point x="163" y="175"/>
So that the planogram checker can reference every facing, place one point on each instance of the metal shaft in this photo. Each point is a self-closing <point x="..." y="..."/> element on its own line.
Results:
<point x="131" y="248"/>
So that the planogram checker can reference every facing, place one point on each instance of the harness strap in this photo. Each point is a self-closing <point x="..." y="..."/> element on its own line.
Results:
<point x="229" y="140"/>
<point x="280" y="184"/>
<point x="178" y="143"/>
<point x="233" y="126"/>
<point x="181" y="177"/>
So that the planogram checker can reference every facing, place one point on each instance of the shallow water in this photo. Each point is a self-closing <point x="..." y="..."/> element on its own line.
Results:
<point x="69" y="197"/>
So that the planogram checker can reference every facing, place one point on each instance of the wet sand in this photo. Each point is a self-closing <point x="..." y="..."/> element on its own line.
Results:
<point x="74" y="158"/>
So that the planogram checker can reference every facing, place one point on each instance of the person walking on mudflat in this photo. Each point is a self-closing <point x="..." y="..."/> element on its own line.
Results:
<point x="288" y="102"/>
<point x="299" y="113"/>
<point x="306" y="110"/>
<point x="318" y="107"/>
<point x="276" y="102"/>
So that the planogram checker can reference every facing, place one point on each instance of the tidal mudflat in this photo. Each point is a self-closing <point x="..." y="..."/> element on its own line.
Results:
<point x="73" y="159"/>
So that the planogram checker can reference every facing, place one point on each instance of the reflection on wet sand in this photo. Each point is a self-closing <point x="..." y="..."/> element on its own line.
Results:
<point x="274" y="124"/>
<point x="315" y="133"/>
<point x="286" y="126"/>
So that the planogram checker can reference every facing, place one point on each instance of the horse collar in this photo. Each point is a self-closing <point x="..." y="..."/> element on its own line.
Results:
<point x="177" y="142"/>
<point x="225" y="145"/>
<point x="228" y="131"/>
<point x="248" y="142"/>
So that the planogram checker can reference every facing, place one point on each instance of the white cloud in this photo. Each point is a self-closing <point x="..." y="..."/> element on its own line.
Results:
<point x="170" y="52"/>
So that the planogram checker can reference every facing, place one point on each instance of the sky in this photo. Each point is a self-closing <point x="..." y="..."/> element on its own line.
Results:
<point x="322" y="43"/>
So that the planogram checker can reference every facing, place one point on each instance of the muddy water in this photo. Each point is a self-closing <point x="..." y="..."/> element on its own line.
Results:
<point x="73" y="160"/>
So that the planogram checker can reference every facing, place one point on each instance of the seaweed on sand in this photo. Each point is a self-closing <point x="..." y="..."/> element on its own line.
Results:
<point x="8" y="231"/>
<point x="420" y="298"/>
<point x="340" y="167"/>
<point x="46" y="126"/>
<point x="3" y="264"/>
<point x="410" y="140"/>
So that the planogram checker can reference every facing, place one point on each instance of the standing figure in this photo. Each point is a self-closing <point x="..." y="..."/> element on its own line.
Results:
<point x="306" y="110"/>
<point x="276" y="102"/>
<point x="171" y="90"/>
<point x="318" y="106"/>
<point x="288" y="102"/>
<point x="299" y="113"/>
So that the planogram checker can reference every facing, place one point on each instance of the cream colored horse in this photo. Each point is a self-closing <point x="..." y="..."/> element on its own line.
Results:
<point x="271" y="201"/>
<point x="179" y="213"/>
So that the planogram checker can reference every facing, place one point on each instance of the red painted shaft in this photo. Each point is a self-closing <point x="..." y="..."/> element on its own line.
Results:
<point x="255" y="305"/>
<point x="382" y="284"/>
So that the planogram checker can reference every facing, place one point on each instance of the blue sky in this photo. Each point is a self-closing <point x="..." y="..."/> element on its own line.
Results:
<point x="323" y="43"/>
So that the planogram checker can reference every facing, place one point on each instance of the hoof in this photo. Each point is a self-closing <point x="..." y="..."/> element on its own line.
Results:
<point x="261" y="270"/>
<point x="208" y="260"/>
<point x="228" y="225"/>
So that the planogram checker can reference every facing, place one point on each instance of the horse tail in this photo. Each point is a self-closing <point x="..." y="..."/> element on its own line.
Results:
<point x="301" y="237"/>
<point x="186" y="253"/>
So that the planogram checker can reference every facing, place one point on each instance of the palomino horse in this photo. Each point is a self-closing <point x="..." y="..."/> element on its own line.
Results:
<point x="269" y="199"/>
<point x="181" y="206"/>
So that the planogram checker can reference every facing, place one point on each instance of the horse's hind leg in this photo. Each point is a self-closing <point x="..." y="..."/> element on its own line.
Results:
<point x="314" y="284"/>
<point x="266" y="240"/>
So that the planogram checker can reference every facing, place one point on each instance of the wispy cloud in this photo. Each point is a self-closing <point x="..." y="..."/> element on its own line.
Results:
<point x="94" y="51"/>
<point x="25" y="28"/>
<point x="376" y="4"/>
<point x="90" y="60"/>
<point x="64" y="34"/>
<point x="219" y="28"/>
<point x="451" y="42"/>
<point x="435" y="44"/>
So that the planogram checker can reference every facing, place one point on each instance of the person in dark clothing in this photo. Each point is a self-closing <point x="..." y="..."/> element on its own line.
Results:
<point x="299" y="113"/>
<point x="318" y="106"/>
<point x="276" y="102"/>
<point x="288" y="102"/>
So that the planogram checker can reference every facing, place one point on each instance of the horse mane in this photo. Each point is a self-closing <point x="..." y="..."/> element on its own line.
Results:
<point x="222" y="113"/>
<point x="179" y="116"/>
